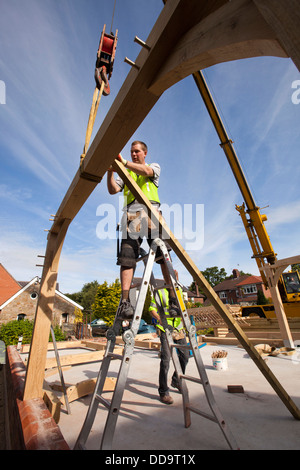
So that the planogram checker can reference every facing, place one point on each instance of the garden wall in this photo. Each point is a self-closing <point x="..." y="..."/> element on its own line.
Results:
<point x="30" y="426"/>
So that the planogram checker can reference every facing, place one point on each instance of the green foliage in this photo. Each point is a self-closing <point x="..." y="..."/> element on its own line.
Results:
<point x="11" y="331"/>
<point x="86" y="297"/>
<point x="107" y="301"/>
<point x="295" y="267"/>
<point x="213" y="275"/>
<point x="58" y="333"/>
<point x="78" y="315"/>
<point x="261" y="299"/>
<point x="193" y="304"/>
<point x="206" y="332"/>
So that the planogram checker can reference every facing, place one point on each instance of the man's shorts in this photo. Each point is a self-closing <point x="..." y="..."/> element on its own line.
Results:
<point x="134" y="227"/>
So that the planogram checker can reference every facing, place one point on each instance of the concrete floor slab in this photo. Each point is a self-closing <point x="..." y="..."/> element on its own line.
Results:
<point x="258" y="419"/>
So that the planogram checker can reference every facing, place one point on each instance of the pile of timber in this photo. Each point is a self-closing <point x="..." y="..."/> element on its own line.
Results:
<point x="269" y="328"/>
<point x="208" y="317"/>
<point x="258" y="330"/>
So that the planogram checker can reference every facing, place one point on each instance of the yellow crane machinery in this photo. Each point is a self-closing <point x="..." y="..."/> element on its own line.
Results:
<point x="253" y="220"/>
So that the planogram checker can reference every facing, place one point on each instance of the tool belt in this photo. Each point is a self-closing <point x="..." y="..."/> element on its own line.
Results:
<point x="139" y="223"/>
<point x="178" y="334"/>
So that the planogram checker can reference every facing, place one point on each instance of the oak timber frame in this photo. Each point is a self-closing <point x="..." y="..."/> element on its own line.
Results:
<point x="272" y="273"/>
<point x="188" y="36"/>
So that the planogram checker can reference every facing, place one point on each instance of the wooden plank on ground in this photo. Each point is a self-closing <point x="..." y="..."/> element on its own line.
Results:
<point x="94" y="345"/>
<point x="83" y="388"/>
<point x="60" y="345"/>
<point x="72" y="359"/>
<point x="52" y="402"/>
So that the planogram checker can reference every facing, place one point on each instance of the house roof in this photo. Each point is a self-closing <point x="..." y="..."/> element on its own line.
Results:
<point x="8" y="285"/>
<point x="191" y="293"/>
<point x="230" y="284"/>
<point x="36" y="279"/>
<point x="68" y="299"/>
<point x="250" y="280"/>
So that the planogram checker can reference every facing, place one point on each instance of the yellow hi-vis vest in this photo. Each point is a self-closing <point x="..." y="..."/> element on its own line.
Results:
<point x="146" y="185"/>
<point x="175" y="322"/>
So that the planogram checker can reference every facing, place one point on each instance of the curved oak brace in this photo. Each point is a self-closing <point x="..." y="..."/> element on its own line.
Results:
<point x="237" y="30"/>
<point x="284" y="19"/>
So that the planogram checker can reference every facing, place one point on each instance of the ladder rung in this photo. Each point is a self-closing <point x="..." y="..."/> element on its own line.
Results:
<point x="191" y="379"/>
<point x="201" y="413"/>
<point x="141" y="258"/>
<point x="102" y="400"/>
<point x="115" y="356"/>
<point x="165" y="286"/>
<point x="181" y="346"/>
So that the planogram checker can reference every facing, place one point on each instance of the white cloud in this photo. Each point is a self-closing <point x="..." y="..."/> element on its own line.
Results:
<point x="23" y="198"/>
<point x="86" y="265"/>
<point x="18" y="254"/>
<point x="283" y="215"/>
<point x="280" y="99"/>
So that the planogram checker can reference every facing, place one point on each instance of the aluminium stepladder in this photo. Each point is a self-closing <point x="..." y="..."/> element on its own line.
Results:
<point x="113" y="406"/>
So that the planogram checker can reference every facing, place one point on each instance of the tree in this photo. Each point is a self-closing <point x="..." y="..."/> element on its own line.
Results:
<point x="295" y="267"/>
<point x="86" y="296"/>
<point x="78" y="315"/>
<point x="107" y="301"/>
<point x="213" y="275"/>
<point x="261" y="299"/>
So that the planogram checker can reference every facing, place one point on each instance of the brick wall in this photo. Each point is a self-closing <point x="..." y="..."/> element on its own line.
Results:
<point x="26" y="304"/>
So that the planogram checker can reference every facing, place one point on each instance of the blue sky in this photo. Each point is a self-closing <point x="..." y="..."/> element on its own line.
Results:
<point x="47" y="58"/>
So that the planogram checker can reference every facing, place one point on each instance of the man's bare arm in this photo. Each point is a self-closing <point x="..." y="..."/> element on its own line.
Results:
<point x="112" y="186"/>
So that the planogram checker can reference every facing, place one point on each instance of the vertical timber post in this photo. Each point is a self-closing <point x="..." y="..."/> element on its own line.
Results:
<point x="39" y="344"/>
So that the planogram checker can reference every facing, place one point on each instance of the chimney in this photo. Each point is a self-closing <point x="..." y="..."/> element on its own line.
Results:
<point x="236" y="273"/>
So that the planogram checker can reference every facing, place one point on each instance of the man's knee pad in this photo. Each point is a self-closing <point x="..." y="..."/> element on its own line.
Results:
<point x="129" y="253"/>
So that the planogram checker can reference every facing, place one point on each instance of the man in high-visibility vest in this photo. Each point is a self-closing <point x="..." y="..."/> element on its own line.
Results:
<point x="165" y="356"/>
<point x="135" y="222"/>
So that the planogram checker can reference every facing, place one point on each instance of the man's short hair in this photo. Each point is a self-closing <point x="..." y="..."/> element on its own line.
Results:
<point x="142" y="144"/>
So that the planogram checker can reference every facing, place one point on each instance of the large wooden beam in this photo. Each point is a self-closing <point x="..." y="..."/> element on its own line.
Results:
<point x="187" y="37"/>
<point x="39" y="345"/>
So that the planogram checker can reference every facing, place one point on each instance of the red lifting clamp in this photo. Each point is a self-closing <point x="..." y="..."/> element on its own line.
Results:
<point x="105" y="60"/>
